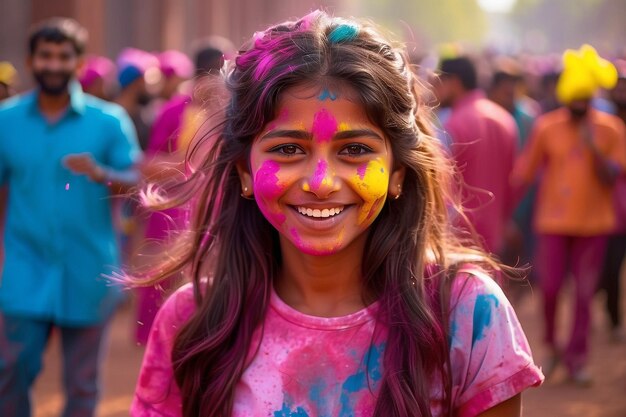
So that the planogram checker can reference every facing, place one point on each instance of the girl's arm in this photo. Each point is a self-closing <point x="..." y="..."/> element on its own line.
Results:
<point x="509" y="408"/>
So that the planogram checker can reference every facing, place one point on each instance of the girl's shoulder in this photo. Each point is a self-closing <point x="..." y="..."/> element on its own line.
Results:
<point x="473" y="279"/>
<point x="472" y="285"/>
<point x="179" y="306"/>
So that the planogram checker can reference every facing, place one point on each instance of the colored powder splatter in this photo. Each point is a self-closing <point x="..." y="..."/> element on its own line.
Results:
<point x="360" y="171"/>
<point x="372" y="187"/>
<point x="343" y="127"/>
<point x="324" y="126"/>
<point x="318" y="398"/>
<point x="67" y="186"/>
<point x="263" y="67"/>
<point x="359" y="381"/>
<point x="327" y="94"/>
<point x="266" y="181"/>
<point x="267" y="186"/>
<point x="485" y="304"/>
<point x="320" y="176"/>
<point x="296" y="237"/>
<point x="286" y="411"/>
<point x="343" y="33"/>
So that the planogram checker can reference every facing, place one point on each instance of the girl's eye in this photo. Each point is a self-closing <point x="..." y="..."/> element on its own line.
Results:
<point x="287" y="150"/>
<point x="355" y="150"/>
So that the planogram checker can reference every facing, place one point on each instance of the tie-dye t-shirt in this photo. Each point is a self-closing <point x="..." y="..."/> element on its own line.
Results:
<point x="332" y="367"/>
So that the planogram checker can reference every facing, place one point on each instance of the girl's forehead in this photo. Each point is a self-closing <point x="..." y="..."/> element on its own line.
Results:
<point x="303" y="103"/>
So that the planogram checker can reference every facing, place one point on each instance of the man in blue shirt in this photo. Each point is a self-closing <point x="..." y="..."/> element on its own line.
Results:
<point x="62" y="154"/>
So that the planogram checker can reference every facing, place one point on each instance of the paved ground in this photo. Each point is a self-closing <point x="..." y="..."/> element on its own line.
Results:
<point x="606" y="398"/>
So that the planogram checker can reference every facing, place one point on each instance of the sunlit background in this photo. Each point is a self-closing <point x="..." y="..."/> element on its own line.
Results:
<point x="428" y="27"/>
<point x="509" y="26"/>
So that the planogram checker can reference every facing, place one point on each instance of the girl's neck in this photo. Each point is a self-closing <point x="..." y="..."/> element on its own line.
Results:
<point x="324" y="286"/>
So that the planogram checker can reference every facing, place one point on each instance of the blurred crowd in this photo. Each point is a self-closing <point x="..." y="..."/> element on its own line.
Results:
<point x="541" y="155"/>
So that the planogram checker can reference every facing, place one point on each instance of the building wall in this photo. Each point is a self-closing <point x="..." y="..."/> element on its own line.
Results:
<point x="148" y="24"/>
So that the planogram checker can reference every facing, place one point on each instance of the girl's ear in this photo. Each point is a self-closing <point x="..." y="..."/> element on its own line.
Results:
<point x="396" y="181"/>
<point x="246" y="179"/>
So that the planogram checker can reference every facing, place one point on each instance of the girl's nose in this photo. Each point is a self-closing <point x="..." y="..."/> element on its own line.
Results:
<point x="322" y="180"/>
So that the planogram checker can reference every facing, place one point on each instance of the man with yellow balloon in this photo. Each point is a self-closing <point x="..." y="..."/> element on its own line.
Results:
<point x="577" y="153"/>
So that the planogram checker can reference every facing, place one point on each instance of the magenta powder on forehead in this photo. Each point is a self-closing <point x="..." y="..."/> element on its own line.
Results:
<point x="320" y="174"/>
<point x="324" y="126"/>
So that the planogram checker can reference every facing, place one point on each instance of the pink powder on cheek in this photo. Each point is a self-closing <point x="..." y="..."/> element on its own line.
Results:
<point x="266" y="186"/>
<point x="320" y="174"/>
<point x="361" y="170"/>
<point x="324" y="126"/>
<point x="266" y="180"/>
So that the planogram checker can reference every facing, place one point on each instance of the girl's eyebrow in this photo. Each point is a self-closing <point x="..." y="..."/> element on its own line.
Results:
<point x="303" y="134"/>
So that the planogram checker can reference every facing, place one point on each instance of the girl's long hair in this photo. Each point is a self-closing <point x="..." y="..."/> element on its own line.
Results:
<point x="232" y="244"/>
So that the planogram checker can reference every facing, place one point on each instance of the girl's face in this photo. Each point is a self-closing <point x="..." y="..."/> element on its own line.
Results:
<point x="321" y="171"/>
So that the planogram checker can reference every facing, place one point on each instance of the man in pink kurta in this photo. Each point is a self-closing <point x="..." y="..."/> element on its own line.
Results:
<point x="483" y="141"/>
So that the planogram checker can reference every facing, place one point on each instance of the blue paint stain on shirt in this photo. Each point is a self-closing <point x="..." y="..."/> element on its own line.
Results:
<point x="454" y="327"/>
<point x="359" y="381"/>
<point x="317" y="397"/>
<point x="485" y="304"/>
<point x="286" y="411"/>
<point x="327" y="94"/>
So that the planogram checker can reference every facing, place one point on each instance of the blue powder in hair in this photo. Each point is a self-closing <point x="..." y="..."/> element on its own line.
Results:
<point x="343" y="33"/>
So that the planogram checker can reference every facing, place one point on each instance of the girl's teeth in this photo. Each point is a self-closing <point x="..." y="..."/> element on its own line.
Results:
<point x="324" y="213"/>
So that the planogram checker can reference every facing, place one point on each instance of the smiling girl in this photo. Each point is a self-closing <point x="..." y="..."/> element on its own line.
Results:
<point x="326" y="278"/>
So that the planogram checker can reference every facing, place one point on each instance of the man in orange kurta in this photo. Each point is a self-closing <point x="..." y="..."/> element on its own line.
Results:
<point x="577" y="151"/>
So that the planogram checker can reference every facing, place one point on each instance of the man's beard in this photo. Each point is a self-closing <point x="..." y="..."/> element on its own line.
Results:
<point x="578" y="113"/>
<point x="56" y="87"/>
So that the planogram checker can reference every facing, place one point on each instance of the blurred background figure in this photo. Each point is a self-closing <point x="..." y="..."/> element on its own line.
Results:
<point x="483" y="142"/>
<point x="136" y="71"/>
<point x="97" y="77"/>
<point x="8" y="79"/>
<point x="548" y="100"/>
<point x="506" y="89"/>
<point x="616" y="247"/>
<point x="172" y="133"/>
<point x="580" y="152"/>
<point x="176" y="68"/>
<point x="62" y="154"/>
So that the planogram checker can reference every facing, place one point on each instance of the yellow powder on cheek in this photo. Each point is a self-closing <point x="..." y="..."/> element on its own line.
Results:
<point x="371" y="184"/>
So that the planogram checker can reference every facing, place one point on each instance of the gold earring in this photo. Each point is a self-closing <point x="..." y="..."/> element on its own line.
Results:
<point x="397" y="196"/>
<point x="245" y="194"/>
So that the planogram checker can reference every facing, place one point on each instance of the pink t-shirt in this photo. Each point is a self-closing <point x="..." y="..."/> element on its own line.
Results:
<point x="316" y="367"/>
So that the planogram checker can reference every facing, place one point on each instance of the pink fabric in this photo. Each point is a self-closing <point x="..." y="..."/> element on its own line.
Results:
<point x="160" y="224"/>
<point x="483" y="139"/>
<point x="582" y="256"/>
<point x="163" y="138"/>
<point x="174" y="62"/>
<point x="312" y="366"/>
